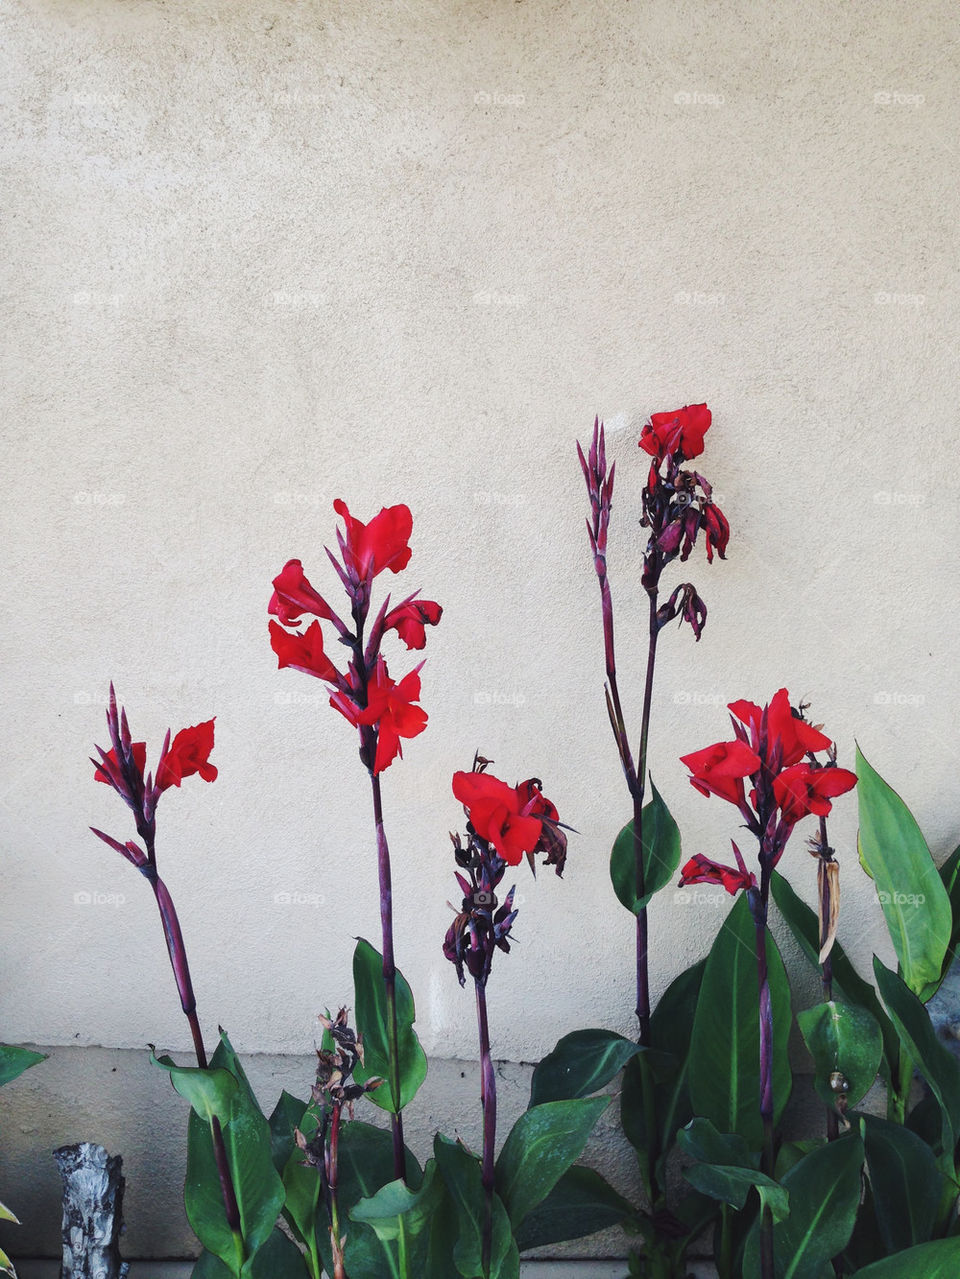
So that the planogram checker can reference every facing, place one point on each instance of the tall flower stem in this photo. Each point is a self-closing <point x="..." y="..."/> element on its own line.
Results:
<point x="825" y="885"/>
<point x="488" y="1099"/>
<point x="389" y="976"/>
<point x="758" y="908"/>
<point x="333" y="1175"/>
<point x="177" y="951"/>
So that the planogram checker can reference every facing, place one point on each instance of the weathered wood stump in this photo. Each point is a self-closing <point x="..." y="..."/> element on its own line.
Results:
<point x="92" y="1212"/>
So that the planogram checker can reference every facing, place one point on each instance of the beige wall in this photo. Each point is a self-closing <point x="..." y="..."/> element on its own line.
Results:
<point x="262" y="255"/>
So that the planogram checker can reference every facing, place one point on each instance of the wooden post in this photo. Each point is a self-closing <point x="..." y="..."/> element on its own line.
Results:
<point x="92" y="1212"/>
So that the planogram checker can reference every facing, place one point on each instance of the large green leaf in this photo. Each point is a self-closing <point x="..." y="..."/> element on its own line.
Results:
<point x="915" y="902"/>
<point x="950" y="876"/>
<point x="211" y="1092"/>
<point x="847" y="981"/>
<point x="701" y="1141"/>
<point x="287" y="1116"/>
<point x="732" y="1185"/>
<point x="661" y="854"/>
<point x="824" y="1189"/>
<point x="581" y="1203"/>
<point x="724" y="1063"/>
<point x="937" y="1260"/>
<point x="15" y="1060"/>
<point x="935" y="1063"/>
<point x="906" y="1183"/>
<point x="301" y="1188"/>
<point x="846" y="1040"/>
<point x="460" y="1170"/>
<point x="581" y="1064"/>
<point x="372" y="1022"/>
<point x="541" y="1146"/>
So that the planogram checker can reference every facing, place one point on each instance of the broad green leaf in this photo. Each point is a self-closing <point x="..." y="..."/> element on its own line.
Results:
<point x="581" y="1203"/>
<point x="732" y="1185"/>
<point x="371" y="1015"/>
<point x="301" y="1187"/>
<point x="211" y="1092"/>
<point x="581" y="1064"/>
<point x="278" y="1258"/>
<point x="15" y="1060"/>
<point x="671" y="1029"/>
<point x="844" y="1039"/>
<point x="209" y="1266"/>
<point x="915" y="902"/>
<point x="287" y="1115"/>
<point x="701" y="1141"/>
<point x="460" y="1171"/>
<point x="724" y="1063"/>
<point x="541" y="1146"/>
<point x="661" y="854"/>
<point x="933" y="1060"/>
<point x="824" y="1189"/>
<point x="396" y="1209"/>
<point x="950" y="876"/>
<point x="937" y="1260"/>
<point x="906" y="1183"/>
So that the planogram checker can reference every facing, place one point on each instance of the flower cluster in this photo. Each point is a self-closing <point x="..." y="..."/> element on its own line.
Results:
<point x="123" y="767"/>
<point x="775" y="749"/>
<point x="504" y="824"/>
<point x="383" y="710"/>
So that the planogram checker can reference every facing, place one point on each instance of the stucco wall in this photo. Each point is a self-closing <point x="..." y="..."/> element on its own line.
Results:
<point x="262" y="255"/>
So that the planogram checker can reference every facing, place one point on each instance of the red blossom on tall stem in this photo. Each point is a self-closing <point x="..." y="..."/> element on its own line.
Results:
<point x="384" y="711"/>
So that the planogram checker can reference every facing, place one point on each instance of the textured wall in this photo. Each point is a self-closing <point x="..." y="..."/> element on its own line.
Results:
<point x="262" y="255"/>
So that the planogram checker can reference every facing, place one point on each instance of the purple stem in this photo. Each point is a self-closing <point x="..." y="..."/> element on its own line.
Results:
<point x="758" y="907"/>
<point x="826" y="970"/>
<point x="488" y="1100"/>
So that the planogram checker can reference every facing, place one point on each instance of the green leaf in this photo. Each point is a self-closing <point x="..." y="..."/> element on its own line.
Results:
<point x="211" y="1092"/>
<point x="846" y="1039"/>
<point x="915" y="902"/>
<point x="287" y="1115"/>
<point x="906" y="1183"/>
<point x="661" y="854"/>
<point x="15" y="1060"/>
<point x="671" y="1029"/>
<point x="396" y="1209"/>
<point x="732" y="1185"/>
<point x="581" y="1064"/>
<point x="371" y="1014"/>
<point x="824" y="1189"/>
<point x="581" y="1203"/>
<point x="460" y="1171"/>
<point x="279" y="1258"/>
<point x="541" y="1146"/>
<point x="937" y="1260"/>
<point x="701" y="1141"/>
<point x="938" y="1067"/>
<point x="847" y="981"/>
<point x="724" y="1069"/>
<point x="301" y="1187"/>
<point x="950" y="877"/>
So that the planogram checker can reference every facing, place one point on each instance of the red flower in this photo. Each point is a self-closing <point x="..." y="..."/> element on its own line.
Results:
<point x="139" y="759"/>
<point x="293" y="595"/>
<point x="409" y="620"/>
<point x="390" y="706"/>
<point x="801" y="790"/>
<point x="720" y="769"/>
<point x="793" y="736"/>
<point x="188" y="754"/>
<point x="303" y="652"/>
<point x="500" y="814"/>
<point x="679" y="433"/>
<point x="370" y="548"/>
<point x="701" y="870"/>
<point x="716" y="531"/>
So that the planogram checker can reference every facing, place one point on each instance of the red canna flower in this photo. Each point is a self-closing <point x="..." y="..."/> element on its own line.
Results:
<point x="410" y="618"/>
<point x="720" y="769"/>
<point x="303" y="652"/>
<point x="701" y="870"/>
<point x="368" y="549"/>
<point x="188" y="754"/>
<point x="110" y="763"/>
<point x="802" y="789"/>
<point x="716" y="531"/>
<point x="391" y="707"/>
<point x="786" y="732"/>
<point x="497" y="813"/>
<point x="293" y="595"/>
<point x="679" y="433"/>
